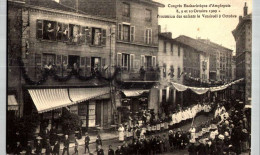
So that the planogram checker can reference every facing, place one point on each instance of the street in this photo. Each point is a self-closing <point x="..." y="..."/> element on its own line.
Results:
<point x="197" y="121"/>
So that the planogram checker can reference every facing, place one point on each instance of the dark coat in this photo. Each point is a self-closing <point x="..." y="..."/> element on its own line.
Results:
<point x="192" y="150"/>
<point x="100" y="152"/>
<point x="201" y="149"/>
<point x="111" y="152"/>
<point x="38" y="148"/>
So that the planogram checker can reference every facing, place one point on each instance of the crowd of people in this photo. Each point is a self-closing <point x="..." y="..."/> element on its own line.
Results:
<point x="226" y="133"/>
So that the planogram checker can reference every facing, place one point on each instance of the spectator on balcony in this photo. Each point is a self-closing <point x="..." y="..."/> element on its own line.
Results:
<point x="142" y="73"/>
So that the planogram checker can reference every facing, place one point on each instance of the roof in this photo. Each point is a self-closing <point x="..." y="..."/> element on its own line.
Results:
<point x="153" y="3"/>
<point x="214" y="44"/>
<point x="51" y="4"/>
<point x="162" y="36"/>
<point x="194" y="43"/>
<point x="200" y="44"/>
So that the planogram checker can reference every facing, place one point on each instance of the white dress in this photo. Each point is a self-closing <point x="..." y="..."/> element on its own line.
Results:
<point x="121" y="133"/>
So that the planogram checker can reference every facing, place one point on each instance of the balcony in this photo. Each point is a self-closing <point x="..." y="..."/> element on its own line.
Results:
<point x="125" y="75"/>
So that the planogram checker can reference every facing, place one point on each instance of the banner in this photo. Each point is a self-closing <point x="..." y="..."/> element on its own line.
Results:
<point x="203" y="90"/>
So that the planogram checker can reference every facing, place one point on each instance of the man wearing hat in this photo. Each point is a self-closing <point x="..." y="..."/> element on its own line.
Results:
<point x="38" y="146"/>
<point x="56" y="148"/>
<point x="48" y="147"/>
<point x="87" y="139"/>
<point x="192" y="148"/>
<point x="66" y="145"/>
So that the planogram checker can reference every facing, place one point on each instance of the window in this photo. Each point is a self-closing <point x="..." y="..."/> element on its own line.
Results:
<point x="179" y="51"/>
<point x="126" y="10"/>
<point x="62" y="32"/>
<point x="148" y="15"/>
<point x="96" y="36"/>
<point x="49" y="30"/>
<point x="164" y="47"/>
<point x="148" y="60"/>
<point x="164" y="95"/>
<point x="73" y="61"/>
<point x="126" y="32"/>
<point x="148" y="36"/>
<point x="125" y="61"/>
<point x="164" y="70"/>
<point x="48" y="59"/>
<point x="95" y="63"/>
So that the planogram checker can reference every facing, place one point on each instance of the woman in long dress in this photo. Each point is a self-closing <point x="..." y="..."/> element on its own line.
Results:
<point x="121" y="134"/>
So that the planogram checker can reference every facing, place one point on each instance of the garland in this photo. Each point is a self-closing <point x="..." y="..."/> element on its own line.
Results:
<point x="50" y="72"/>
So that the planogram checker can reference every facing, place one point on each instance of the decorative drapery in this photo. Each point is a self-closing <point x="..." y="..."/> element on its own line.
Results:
<point x="203" y="90"/>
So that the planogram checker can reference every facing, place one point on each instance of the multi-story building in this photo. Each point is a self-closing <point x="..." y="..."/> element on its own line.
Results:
<point x="170" y="60"/>
<point x="220" y="62"/>
<point x="62" y="53"/>
<point x="136" y="42"/>
<point x="243" y="37"/>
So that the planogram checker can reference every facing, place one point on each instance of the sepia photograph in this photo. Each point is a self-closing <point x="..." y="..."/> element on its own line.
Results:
<point x="129" y="77"/>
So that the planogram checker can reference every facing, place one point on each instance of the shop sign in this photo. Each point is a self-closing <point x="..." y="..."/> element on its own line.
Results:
<point x="74" y="109"/>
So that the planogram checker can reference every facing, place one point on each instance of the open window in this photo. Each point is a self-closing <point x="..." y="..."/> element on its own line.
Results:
<point x="74" y="62"/>
<point x="49" y="30"/>
<point x="95" y="64"/>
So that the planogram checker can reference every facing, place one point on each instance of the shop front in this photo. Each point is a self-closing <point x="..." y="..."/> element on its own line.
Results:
<point x="92" y="105"/>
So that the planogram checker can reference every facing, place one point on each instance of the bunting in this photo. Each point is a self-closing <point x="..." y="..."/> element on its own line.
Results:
<point x="203" y="90"/>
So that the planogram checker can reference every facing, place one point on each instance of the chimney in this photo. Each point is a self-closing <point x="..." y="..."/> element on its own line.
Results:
<point x="245" y="9"/>
<point x="159" y="29"/>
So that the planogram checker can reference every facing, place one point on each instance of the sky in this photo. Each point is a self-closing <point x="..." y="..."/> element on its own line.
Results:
<point x="217" y="30"/>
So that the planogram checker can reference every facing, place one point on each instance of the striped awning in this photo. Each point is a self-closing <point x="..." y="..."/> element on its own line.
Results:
<point x="134" y="93"/>
<point x="50" y="99"/>
<point x="12" y="103"/>
<point x="83" y="94"/>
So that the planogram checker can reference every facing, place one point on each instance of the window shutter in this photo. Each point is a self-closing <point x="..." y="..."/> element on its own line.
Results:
<point x="82" y="61"/>
<point x="145" y="36"/>
<point x="103" y="62"/>
<point x="120" y="32"/>
<point x="132" y="59"/>
<point x="132" y="34"/>
<point x="119" y="59"/>
<point x="58" y="59"/>
<point x="104" y="35"/>
<point x="154" y="61"/>
<point x="89" y="36"/>
<point x="65" y="60"/>
<point x="167" y="93"/>
<point x="150" y="36"/>
<point x="39" y="29"/>
<point x="88" y="65"/>
<point x="143" y="60"/>
<point x="83" y="35"/>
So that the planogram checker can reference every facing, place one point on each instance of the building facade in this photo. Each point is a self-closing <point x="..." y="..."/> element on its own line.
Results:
<point x="63" y="51"/>
<point x="136" y="45"/>
<point x="243" y="37"/>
